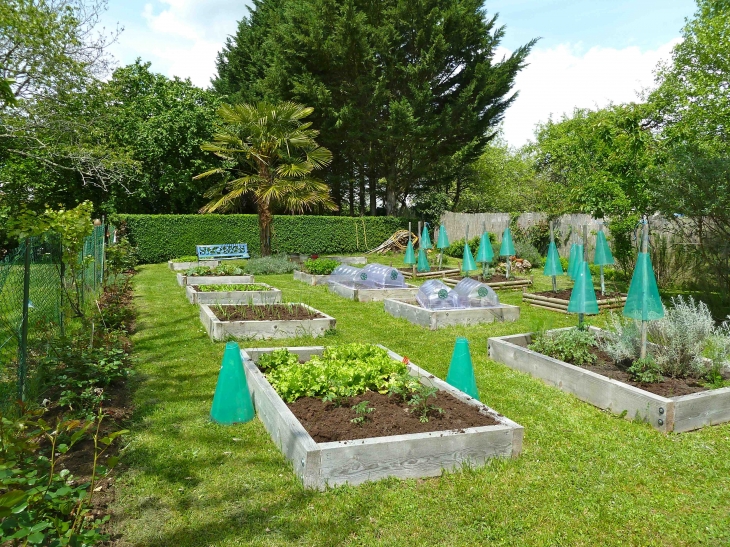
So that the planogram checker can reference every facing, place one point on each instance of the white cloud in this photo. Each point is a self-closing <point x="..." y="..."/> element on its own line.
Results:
<point x="562" y="78"/>
<point x="181" y="37"/>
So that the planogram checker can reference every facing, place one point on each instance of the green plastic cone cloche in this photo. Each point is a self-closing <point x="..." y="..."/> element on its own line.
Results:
<point x="571" y="258"/>
<point x="603" y="255"/>
<point x="461" y="371"/>
<point x="425" y="238"/>
<point x="583" y="297"/>
<point x="552" y="264"/>
<point x="507" y="248"/>
<point x="410" y="257"/>
<point x="485" y="254"/>
<point x="576" y="259"/>
<point x="643" y="302"/>
<point x="468" y="264"/>
<point x="232" y="400"/>
<point x="443" y="241"/>
<point x="423" y="265"/>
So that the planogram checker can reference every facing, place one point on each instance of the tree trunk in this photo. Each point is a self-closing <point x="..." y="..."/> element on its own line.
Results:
<point x="362" y="192"/>
<point x="351" y="191"/>
<point x="265" y="219"/>
<point x="372" y="179"/>
<point x="390" y="197"/>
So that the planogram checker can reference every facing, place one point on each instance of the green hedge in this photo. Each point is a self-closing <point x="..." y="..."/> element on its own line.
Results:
<point x="161" y="237"/>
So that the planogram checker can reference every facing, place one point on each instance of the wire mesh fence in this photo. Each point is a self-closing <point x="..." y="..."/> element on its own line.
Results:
<point x="35" y="290"/>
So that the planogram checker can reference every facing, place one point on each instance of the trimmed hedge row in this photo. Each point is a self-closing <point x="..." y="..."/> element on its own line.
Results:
<point x="161" y="237"/>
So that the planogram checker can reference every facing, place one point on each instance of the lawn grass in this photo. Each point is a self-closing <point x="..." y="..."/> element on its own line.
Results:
<point x="585" y="477"/>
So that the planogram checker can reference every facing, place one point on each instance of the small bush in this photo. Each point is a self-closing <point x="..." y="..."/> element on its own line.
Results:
<point x="572" y="346"/>
<point x="456" y="249"/>
<point x="188" y="258"/>
<point x="121" y="257"/>
<point x="529" y="253"/>
<point x="277" y="264"/>
<point x="320" y="266"/>
<point x="645" y="370"/>
<point x="222" y="269"/>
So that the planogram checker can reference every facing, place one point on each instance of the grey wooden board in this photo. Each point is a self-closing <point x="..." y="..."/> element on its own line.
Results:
<point x="264" y="330"/>
<point x="184" y="280"/>
<point x="228" y="298"/>
<point x="177" y="266"/>
<point x="588" y="386"/>
<point x="309" y="278"/>
<point x="349" y="259"/>
<point x="372" y="295"/>
<point x="354" y="462"/>
<point x="700" y="409"/>
<point x="436" y="319"/>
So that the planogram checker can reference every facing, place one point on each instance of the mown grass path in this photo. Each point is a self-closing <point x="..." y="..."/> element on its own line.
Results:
<point x="585" y="477"/>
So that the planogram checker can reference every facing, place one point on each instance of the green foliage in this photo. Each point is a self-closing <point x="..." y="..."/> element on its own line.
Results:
<point x="416" y="394"/>
<point x="234" y="287"/>
<point x="187" y="258"/>
<point x="320" y="266"/>
<point x="571" y="345"/>
<point x="645" y="370"/>
<point x="362" y="410"/>
<point x="220" y="270"/>
<point x="537" y="235"/>
<point x="381" y="77"/>
<point x="115" y="309"/>
<point x="346" y="371"/>
<point x="120" y="258"/>
<point x="456" y="249"/>
<point x="40" y="504"/>
<point x="276" y="264"/>
<point x="530" y="253"/>
<point x="161" y="237"/>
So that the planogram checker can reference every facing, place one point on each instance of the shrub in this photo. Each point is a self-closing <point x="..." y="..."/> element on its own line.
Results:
<point x="277" y="264"/>
<point x="529" y="253"/>
<point x="571" y="345"/>
<point x="121" y="257"/>
<point x="645" y="370"/>
<point x="320" y="266"/>
<point x="222" y="269"/>
<point x="159" y="238"/>
<point x="456" y="249"/>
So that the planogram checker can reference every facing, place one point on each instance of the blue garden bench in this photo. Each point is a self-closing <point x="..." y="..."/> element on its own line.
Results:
<point x="227" y="251"/>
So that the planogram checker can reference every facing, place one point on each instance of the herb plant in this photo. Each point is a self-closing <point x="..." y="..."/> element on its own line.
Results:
<point x="320" y="266"/>
<point x="645" y="370"/>
<point x="362" y="410"/>
<point x="571" y="345"/>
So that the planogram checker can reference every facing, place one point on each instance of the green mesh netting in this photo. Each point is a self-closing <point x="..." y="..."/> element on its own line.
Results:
<point x="552" y="264"/>
<point x="443" y="241"/>
<point x="583" y="296"/>
<point x="423" y="265"/>
<point x="468" y="264"/>
<point x="643" y="302"/>
<point x="485" y="253"/>
<point x="507" y="248"/>
<point x="425" y="238"/>
<point x="603" y="256"/>
<point x="576" y="259"/>
<point x="410" y="257"/>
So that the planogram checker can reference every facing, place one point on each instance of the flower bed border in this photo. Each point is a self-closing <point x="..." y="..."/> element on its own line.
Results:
<point x="437" y="319"/>
<point x="264" y="330"/>
<point x="558" y="304"/>
<point x="415" y="455"/>
<point x="500" y="285"/>
<point x="678" y="414"/>
<point x="232" y="298"/>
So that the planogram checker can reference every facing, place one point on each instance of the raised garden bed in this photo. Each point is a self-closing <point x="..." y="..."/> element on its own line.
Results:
<point x="177" y="266"/>
<point x="497" y="282"/>
<point x="367" y="294"/>
<point x="411" y="310"/>
<point x="677" y="413"/>
<point x="559" y="301"/>
<point x="258" y="293"/>
<point x="435" y="274"/>
<point x="185" y="280"/>
<point x="310" y="279"/>
<point x="354" y="461"/>
<point x="264" y="322"/>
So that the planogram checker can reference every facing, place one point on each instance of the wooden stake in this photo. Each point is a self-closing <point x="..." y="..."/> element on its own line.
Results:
<point x="552" y="241"/>
<point x="410" y="237"/>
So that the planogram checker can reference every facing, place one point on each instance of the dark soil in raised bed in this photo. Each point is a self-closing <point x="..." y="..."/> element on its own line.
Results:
<point x="670" y="387"/>
<point x="564" y="294"/>
<point x="268" y="312"/>
<point x="326" y="422"/>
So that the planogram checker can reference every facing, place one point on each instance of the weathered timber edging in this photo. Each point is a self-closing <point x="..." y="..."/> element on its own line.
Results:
<point x="678" y="414"/>
<point x="184" y="280"/>
<point x="558" y="304"/>
<point x="363" y="294"/>
<point x="498" y="285"/>
<point x="232" y="298"/>
<point x="178" y="266"/>
<point x="416" y="455"/>
<point x="265" y="330"/>
<point x="437" y="319"/>
<point x="310" y="279"/>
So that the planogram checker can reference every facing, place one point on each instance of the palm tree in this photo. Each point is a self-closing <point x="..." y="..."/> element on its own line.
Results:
<point x="269" y="154"/>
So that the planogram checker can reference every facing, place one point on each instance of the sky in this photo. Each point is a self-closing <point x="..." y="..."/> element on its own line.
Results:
<point x="590" y="52"/>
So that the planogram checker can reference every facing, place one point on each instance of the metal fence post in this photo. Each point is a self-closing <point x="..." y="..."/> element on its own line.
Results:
<point x="23" y="347"/>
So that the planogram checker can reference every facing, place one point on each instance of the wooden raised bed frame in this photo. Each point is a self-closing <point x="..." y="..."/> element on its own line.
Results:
<point x="415" y="455"/>
<point x="499" y="285"/>
<point x="184" y="280"/>
<point x="412" y="311"/>
<point x="558" y="304"/>
<point x="310" y="279"/>
<point x="233" y="297"/>
<point x="365" y="294"/>
<point x="434" y="274"/>
<point x="678" y="414"/>
<point x="265" y="330"/>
